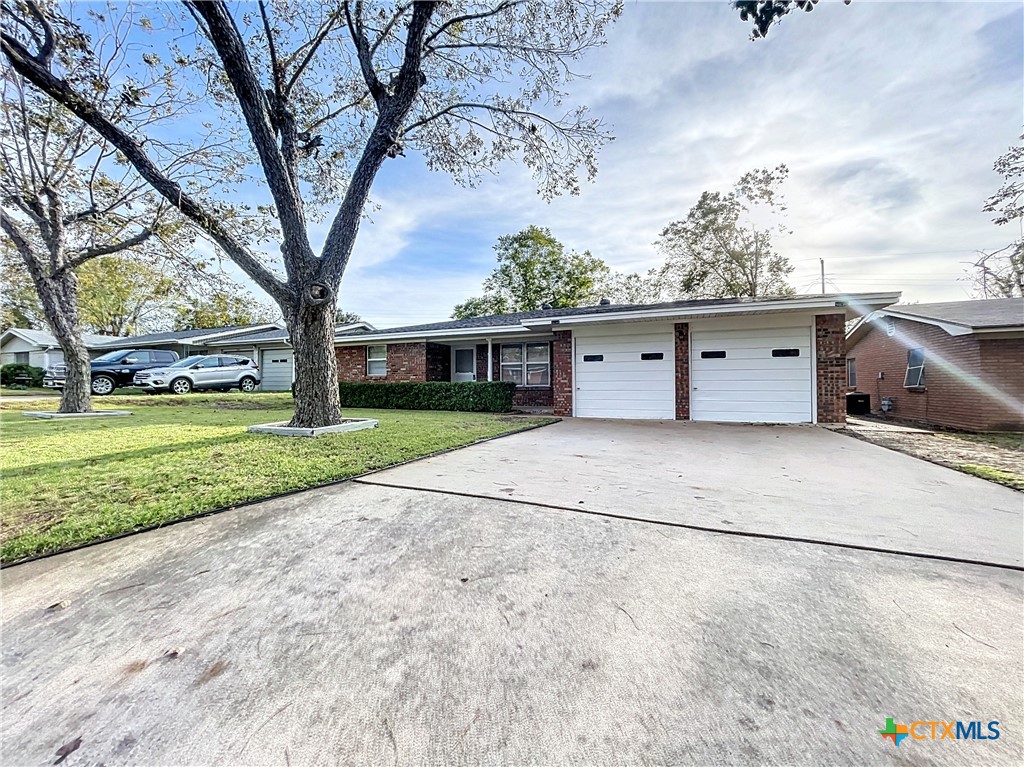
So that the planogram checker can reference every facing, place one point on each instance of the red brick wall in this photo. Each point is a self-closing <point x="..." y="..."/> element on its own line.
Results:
<point x="561" y="372"/>
<point x="682" y="371"/>
<point x="830" y="373"/>
<point x="947" y="398"/>
<point x="406" y="362"/>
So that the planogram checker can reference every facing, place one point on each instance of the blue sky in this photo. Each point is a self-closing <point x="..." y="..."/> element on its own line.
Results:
<point x="889" y="116"/>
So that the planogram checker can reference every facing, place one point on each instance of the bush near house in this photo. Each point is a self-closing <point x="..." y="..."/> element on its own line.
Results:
<point x="469" y="396"/>
<point x="9" y="375"/>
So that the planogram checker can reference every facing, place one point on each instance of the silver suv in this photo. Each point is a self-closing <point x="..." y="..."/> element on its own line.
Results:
<point x="203" y="371"/>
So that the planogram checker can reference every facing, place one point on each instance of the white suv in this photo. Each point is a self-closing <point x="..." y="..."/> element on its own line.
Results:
<point x="203" y="371"/>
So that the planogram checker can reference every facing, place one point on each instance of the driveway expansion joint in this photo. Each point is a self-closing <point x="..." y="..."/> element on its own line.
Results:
<point x="698" y="528"/>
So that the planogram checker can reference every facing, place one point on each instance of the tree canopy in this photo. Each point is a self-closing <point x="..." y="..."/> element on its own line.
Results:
<point x="722" y="249"/>
<point x="534" y="270"/>
<point x="322" y="96"/>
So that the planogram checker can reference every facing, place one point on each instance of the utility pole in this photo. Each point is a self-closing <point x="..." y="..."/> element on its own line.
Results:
<point x="822" y="260"/>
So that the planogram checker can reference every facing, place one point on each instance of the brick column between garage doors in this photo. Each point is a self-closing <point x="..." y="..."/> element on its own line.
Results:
<point x="830" y="363"/>
<point x="561" y="372"/>
<point x="682" y="371"/>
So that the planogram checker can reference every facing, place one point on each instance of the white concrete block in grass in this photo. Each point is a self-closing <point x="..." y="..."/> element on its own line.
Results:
<point x="94" y="414"/>
<point x="282" y="429"/>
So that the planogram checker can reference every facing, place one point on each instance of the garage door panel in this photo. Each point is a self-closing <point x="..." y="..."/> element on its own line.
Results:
<point x="601" y="385"/>
<point x="711" y="389"/>
<point x="749" y="383"/>
<point x="767" y="362"/>
<point x="780" y="397"/>
<point x="276" y="369"/>
<point x="622" y="385"/>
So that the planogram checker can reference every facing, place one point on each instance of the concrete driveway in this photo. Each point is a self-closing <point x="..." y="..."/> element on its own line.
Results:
<point x="372" y="624"/>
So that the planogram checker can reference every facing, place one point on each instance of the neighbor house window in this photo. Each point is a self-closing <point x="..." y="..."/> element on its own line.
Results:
<point x="915" y="369"/>
<point x="377" y="360"/>
<point x="851" y="372"/>
<point x="526" y="364"/>
<point x="21" y="358"/>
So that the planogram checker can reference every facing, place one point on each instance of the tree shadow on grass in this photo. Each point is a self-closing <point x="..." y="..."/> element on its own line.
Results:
<point x="126" y="455"/>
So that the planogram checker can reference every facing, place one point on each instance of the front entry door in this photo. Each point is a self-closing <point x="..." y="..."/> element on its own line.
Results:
<point x="464" y="367"/>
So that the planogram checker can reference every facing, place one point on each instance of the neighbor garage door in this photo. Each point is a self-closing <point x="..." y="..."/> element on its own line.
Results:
<point x="760" y="375"/>
<point x="276" y="367"/>
<point x="625" y="371"/>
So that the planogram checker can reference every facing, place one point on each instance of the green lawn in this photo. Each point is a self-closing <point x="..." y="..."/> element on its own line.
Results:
<point x="70" y="482"/>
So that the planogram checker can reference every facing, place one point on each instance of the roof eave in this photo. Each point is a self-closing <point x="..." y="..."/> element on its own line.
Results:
<point x="862" y="303"/>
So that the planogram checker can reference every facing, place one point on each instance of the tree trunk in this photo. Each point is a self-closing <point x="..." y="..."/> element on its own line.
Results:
<point x="311" y="327"/>
<point x="60" y="305"/>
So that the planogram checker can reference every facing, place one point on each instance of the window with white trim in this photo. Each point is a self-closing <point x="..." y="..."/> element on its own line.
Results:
<point x="526" y="364"/>
<point x="851" y="372"/>
<point x="915" y="369"/>
<point x="377" y="360"/>
<point x="22" y="358"/>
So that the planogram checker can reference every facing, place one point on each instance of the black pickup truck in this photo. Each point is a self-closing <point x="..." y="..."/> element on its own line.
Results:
<point x="114" y="369"/>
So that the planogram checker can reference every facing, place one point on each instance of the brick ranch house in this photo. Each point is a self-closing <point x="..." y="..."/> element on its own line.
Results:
<point x="772" y="360"/>
<point x="958" y="364"/>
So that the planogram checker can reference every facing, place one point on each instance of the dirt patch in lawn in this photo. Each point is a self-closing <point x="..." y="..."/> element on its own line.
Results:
<point x="1000" y="459"/>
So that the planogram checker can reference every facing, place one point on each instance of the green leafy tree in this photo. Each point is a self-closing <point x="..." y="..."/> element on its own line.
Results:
<point x="534" y="269"/>
<point x="722" y="250"/>
<point x="220" y="310"/>
<point x="341" y="317"/>
<point x="126" y="296"/>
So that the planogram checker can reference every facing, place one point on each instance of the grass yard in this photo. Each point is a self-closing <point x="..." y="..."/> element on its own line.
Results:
<point x="70" y="482"/>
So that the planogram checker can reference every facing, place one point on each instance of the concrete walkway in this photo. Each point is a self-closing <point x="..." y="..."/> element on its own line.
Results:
<point x="370" y="624"/>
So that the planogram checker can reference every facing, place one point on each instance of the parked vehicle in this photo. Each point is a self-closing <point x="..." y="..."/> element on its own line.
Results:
<point x="114" y="369"/>
<point x="202" y="371"/>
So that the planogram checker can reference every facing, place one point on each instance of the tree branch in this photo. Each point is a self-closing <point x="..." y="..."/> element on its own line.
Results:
<point x="33" y="70"/>
<point x="317" y="40"/>
<point x="355" y="29"/>
<point x="105" y="250"/>
<point x="456" y="20"/>
<point x="298" y="255"/>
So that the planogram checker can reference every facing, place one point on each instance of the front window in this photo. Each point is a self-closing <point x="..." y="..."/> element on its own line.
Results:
<point x="915" y="369"/>
<point x="851" y="372"/>
<point x="526" y="364"/>
<point x="21" y="358"/>
<point x="377" y="360"/>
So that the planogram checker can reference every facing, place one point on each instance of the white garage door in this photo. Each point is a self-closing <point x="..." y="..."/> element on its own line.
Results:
<point x="625" y="371"/>
<point x="760" y="375"/>
<point x="276" y="367"/>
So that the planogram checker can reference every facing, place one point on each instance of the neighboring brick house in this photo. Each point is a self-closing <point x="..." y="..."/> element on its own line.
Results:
<point x="958" y="364"/>
<point x="779" y="360"/>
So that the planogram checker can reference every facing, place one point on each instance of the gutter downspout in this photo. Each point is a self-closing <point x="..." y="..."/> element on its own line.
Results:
<point x="490" y="361"/>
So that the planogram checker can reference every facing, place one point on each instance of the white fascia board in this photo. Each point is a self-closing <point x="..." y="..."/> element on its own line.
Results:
<point x="416" y="335"/>
<point x="952" y="328"/>
<point x="858" y="301"/>
<point x="233" y="332"/>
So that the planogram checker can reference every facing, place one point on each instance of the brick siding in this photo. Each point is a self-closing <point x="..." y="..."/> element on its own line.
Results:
<point x="682" y="371"/>
<point x="406" y="362"/>
<point x="561" y="372"/>
<point x="830" y="373"/>
<point x="947" y="398"/>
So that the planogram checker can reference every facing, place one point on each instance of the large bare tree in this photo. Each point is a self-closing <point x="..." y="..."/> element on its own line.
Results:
<point x="324" y="95"/>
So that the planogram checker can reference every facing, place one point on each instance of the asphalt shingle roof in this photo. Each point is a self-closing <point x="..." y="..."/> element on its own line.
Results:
<point x="505" y="320"/>
<point x="174" y="335"/>
<point x="984" y="313"/>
